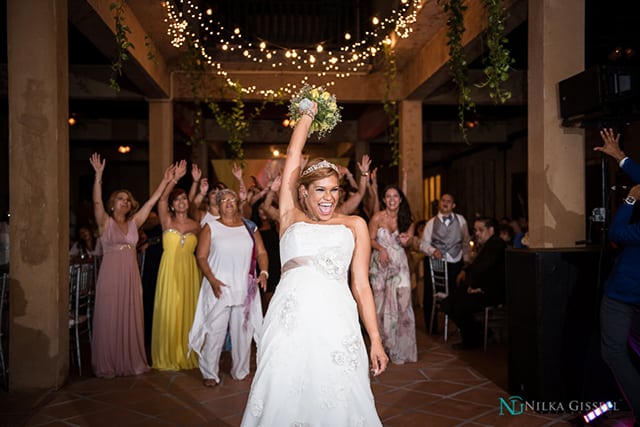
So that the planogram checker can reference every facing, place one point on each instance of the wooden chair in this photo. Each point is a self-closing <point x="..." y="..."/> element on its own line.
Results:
<point x="440" y="289"/>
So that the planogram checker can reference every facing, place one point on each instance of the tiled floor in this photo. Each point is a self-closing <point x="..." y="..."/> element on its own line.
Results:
<point x="444" y="388"/>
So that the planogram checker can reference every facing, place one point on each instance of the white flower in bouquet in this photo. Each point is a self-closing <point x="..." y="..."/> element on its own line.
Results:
<point x="328" y="115"/>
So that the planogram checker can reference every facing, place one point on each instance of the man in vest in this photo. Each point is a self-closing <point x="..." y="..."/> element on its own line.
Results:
<point x="446" y="236"/>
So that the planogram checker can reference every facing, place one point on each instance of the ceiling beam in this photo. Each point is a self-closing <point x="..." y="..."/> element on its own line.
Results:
<point x="95" y="20"/>
<point x="428" y="70"/>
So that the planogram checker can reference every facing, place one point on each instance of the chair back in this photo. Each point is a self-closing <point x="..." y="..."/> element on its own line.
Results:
<point x="81" y="293"/>
<point x="439" y="278"/>
<point x="4" y="327"/>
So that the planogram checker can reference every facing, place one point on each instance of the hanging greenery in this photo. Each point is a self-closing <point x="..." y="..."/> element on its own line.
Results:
<point x="193" y="65"/>
<point x="391" y="106"/>
<point x="236" y="121"/>
<point x="498" y="61"/>
<point x="122" y="41"/>
<point x="457" y="60"/>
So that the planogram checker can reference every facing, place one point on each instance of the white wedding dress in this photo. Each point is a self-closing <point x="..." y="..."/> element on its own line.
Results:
<point x="313" y="368"/>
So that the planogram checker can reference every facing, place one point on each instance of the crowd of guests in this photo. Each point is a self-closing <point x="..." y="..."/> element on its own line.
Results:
<point x="210" y="265"/>
<point x="213" y="265"/>
<point x="215" y="262"/>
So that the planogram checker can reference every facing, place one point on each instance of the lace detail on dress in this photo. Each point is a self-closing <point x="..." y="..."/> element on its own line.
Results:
<point x="257" y="405"/>
<point x="288" y="312"/>
<point x="347" y="358"/>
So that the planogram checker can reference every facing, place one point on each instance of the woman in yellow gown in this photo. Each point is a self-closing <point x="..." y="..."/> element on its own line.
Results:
<point x="178" y="280"/>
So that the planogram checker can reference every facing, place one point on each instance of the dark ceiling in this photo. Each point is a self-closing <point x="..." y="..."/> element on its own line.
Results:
<point x="609" y="25"/>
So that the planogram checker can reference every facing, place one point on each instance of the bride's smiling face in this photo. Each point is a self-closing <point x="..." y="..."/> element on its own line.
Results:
<point x="321" y="198"/>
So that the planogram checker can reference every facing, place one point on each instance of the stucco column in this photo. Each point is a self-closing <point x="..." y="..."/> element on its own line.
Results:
<point x="556" y="155"/>
<point x="160" y="140"/>
<point x="39" y="193"/>
<point x="411" y="154"/>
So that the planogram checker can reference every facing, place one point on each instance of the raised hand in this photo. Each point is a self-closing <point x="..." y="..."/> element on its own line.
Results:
<point x="169" y="173"/>
<point x="611" y="144"/>
<point x="364" y="164"/>
<point x="204" y="186"/>
<point x="180" y="169"/>
<point x="374" y="177"/>
<point x="97" y="163"/>
<point x="196" y="172"/>
<point x="236" y="170"/>
<point x="275" y="184"/>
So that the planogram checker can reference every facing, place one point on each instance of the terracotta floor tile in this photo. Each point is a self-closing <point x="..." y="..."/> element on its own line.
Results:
<point x="438" y="387"/>
<point x="443" y="388"/>
<point x="421" y="419"/>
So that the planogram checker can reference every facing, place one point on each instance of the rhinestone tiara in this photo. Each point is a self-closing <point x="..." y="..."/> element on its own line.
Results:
<point x="320" y="165"/>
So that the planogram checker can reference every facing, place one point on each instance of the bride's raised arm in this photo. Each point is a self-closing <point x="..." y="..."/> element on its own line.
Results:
<point x="288" y="202"/>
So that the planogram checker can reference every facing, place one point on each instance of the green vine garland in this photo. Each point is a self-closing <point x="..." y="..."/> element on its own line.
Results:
<point x="122" y="41"/>
<point x="390" y="106"/>
<point x="457" y="61"/>
<point x="192" y="64"/>
<point x="236" y="121"/>
<point x="498" y="61"/>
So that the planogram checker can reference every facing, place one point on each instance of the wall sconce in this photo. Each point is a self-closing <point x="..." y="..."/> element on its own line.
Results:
<point x="124" y="149"/>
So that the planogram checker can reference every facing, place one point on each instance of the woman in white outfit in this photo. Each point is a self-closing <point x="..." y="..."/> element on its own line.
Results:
<point x="227" y="253"/>
<point x="312" y="360"/>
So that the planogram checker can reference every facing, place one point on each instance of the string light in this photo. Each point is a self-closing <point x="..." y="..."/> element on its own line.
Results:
<point x="353" y="57"/>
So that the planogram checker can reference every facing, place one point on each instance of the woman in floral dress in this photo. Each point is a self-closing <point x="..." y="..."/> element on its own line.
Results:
<point x="390" y="230"/>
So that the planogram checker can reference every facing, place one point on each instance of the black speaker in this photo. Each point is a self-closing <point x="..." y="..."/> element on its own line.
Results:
<point x="599" y="90"/>
<point x="553" y="298"/>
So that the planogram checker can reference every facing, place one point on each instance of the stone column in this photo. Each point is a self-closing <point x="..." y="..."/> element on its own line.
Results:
<point x="39" y="193"/>
<point x="556" y="154"/>
<point x="160" y="140"/>
<point x="411" y="154"/>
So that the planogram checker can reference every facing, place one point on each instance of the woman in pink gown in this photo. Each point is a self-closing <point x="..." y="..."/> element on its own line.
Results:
<point x="118" y="334"/>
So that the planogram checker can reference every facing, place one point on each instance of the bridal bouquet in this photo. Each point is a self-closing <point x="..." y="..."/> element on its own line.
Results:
<point x="328" y="115"/>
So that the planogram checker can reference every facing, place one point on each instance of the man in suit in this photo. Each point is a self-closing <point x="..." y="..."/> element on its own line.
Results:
<point x="480" y="284"/>
<point x="620" y="307"/>
<point x="445" y="236"/>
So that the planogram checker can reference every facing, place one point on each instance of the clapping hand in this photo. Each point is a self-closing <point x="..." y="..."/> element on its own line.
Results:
<point x="635" y="192"/>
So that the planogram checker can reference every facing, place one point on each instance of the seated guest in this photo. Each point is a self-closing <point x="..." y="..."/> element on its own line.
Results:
<point x="480" y="284"/>
<point x="87" y="246"/>
<point x="506" y="233"/>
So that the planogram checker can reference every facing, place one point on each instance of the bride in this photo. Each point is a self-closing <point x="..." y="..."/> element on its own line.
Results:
<point x="312" y="360"/>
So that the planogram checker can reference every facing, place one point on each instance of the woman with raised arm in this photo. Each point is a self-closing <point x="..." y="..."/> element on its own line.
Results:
<point x="178" y="280"/>
<point x="312" y="361"/>
<point x="118" y="333"/>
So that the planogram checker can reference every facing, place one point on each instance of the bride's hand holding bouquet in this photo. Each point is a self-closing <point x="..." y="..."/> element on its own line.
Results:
<point x="327" y="114"/>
